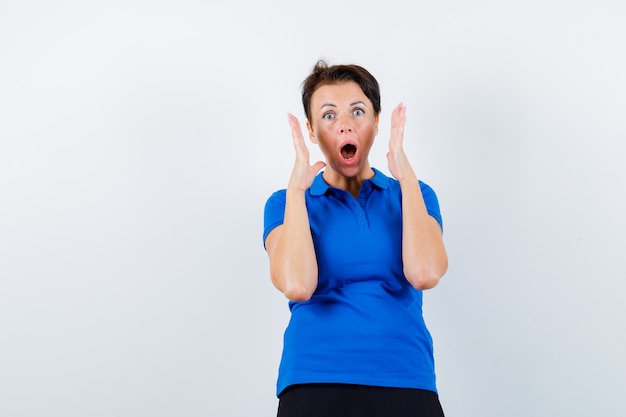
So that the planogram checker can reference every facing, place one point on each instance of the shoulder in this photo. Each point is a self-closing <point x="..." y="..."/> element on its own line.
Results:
<point x="277" y="196"/>
<point x="274" y="212"/>
<point x="275" y="205"/>
<point x="425" y="188"/>
<point x="384" y="181"/>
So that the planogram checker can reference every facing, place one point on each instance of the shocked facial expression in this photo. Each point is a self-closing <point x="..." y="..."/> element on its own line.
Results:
<point x="344" y="125"/>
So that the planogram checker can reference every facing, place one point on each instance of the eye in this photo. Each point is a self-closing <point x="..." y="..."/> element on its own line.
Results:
<point x="328" y="116"/>
<point x="358" y="112"/>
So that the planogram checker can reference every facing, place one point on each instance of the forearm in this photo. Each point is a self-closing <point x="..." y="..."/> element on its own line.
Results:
<point x="293" y="264"/>
<point x="423" y="252"/>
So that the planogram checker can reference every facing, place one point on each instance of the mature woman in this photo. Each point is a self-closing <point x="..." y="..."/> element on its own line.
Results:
<point x="353" y="249"/>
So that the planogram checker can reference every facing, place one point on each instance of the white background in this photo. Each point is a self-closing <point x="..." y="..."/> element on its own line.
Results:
<point x="139" y="141"/>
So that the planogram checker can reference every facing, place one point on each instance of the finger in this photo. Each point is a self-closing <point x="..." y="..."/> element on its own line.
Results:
<point x="295" y="126"/>
<point x="398" y="119"/>
<point x="296" y="133"/>
<point x="318" y="166"/>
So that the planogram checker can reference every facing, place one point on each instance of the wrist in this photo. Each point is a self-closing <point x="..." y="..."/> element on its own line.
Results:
<point x="409" y="180"/>
<point x="295" y="190"/>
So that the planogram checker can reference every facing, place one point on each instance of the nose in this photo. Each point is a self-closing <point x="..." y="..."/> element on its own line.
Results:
<point x="345" y="124"/>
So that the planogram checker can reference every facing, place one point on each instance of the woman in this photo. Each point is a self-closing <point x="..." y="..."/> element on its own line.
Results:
<point x="352" y="249"/>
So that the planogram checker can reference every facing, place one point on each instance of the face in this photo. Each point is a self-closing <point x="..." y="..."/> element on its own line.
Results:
<point x="344" y="125"/>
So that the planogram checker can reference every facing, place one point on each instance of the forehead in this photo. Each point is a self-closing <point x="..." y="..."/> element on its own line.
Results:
<point x="338" y="93"/>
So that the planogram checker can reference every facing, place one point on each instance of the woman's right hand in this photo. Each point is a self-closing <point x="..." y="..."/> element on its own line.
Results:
<point x="293" y="263"/>
<point x="303" y="172"/>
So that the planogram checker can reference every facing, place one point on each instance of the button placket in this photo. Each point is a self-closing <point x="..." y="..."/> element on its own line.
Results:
<point x="363" y="195"/>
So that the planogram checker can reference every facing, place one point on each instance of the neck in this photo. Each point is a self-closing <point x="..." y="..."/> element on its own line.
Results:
<point x="351" y="184"/>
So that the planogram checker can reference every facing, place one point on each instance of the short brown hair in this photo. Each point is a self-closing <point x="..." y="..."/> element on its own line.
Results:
<point x="323" y="74"/>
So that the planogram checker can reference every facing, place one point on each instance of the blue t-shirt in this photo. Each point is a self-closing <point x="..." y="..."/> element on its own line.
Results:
<point x="363" y="324"/>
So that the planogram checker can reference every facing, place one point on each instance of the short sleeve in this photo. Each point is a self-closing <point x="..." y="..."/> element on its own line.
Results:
<point x="274" y="212"/>
<point x="432" y="204"/>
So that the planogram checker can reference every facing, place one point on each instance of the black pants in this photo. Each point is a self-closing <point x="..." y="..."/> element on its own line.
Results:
<point x="344" y="400"/>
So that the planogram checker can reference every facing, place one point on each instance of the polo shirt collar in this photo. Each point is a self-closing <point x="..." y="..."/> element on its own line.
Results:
<point x="319" y="186"/>
<point x="379" y="179"/>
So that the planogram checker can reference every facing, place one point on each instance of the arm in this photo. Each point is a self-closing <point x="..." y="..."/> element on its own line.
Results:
<point x="293" y="264"/>
<point x="424" y="255"/>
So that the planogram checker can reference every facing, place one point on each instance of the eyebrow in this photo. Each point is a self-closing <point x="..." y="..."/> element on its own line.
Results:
<point x="334" y="105"/>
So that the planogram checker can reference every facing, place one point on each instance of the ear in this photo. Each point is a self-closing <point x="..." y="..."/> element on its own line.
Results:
<point x="376" y="118"/>
<point x="311" y="132"/>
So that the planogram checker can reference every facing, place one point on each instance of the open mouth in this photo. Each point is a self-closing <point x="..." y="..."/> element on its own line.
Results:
<point x="348" y="151"/>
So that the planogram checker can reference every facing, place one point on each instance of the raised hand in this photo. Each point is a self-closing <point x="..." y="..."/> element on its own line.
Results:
<point x="399" y="165"/>
<point x="303" y="172"/>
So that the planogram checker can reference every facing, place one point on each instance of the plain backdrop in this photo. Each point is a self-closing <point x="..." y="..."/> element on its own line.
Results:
<point x="139" y="141"/>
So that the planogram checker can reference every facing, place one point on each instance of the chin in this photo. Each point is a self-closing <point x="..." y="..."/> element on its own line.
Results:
<point x="351" y="171"/>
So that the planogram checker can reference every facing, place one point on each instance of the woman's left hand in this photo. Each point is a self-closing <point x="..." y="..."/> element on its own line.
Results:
<point x="399" y="165"/>
<point x="424" y="258"/>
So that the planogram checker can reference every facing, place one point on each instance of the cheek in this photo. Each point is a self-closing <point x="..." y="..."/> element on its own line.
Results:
<point x="323" y="136"/>
<point x="324" y="143"/>
<point x="370" y="130"/>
